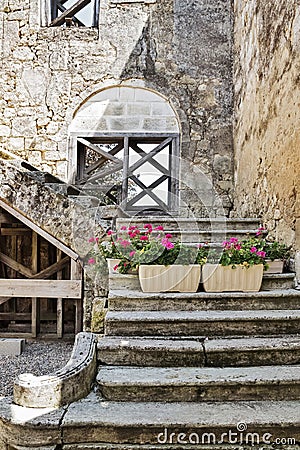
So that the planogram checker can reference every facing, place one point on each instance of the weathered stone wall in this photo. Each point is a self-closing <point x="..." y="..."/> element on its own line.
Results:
<point x="182" y="50"/>
<point x="267" y="156"/>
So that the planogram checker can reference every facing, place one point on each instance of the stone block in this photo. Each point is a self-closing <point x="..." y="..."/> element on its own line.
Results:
<point x="138" y="108"/>
<point x="12" y="346"/>
<point x="98" y="315"/>
<point x="4" y="130"/>
<point x="16" y="144"/>
<point x="125" y="124"/>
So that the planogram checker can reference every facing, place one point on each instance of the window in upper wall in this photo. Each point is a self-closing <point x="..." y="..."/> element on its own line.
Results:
<point x="81" y="13"/>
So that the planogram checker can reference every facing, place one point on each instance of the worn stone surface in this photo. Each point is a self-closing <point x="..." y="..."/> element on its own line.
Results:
<point x="12" y="346"/>
<point x="252" y="351"/>
<point x="135" y="300"/>
<point x="202" y="323"/>
<point x="267" y="157"/>
<point x="68" y="384"/>
<point x="150" y="352"/>
<point x="192" y="384"/>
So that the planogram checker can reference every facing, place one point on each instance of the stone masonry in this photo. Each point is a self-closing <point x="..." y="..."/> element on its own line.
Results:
<point x="180" y="50"/>
<point x="267" y="96"/>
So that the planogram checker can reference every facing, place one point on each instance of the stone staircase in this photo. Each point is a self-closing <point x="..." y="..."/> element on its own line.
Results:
<point x="185" y="371"/>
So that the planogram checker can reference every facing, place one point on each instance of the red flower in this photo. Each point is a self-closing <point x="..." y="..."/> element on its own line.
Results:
<point x="169" y="236"/>
<point x="144" y="238"/>
<point x="159" y="228"/>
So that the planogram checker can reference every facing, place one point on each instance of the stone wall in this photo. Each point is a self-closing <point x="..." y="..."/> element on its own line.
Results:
<point x="267" y="156"/>
<point x="181" y="50"/>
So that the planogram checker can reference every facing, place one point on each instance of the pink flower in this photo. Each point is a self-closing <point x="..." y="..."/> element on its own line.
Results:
<point x="225" y="244"/>
<point x="253" y="249"/>
<point x="91" y="239"/>
<point x="124" y="243"/>
<point x="91" y="261"/>
<point x="200" y="245"/>
<point x="261" y="254"/>
<point x="148" y="226"/>
<point x="109" y="233"/>
<point x="233" y="240"/>
<point x="123" y="228"/>
<point x="115" y="268"/>
<point x="169" y="236"/>
<point x="96" y="239"/>
<point x="159" y="228"/>
<point x="132" y="253"/>
<point x="260" y="230"/>
<point x="132" y="227"/>
<point x="238" y="246"/>
<point x="167" y="244"/>
<point x="144" y="238"/>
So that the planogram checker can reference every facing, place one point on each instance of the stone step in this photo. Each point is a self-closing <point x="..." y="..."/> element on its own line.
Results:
<point x="93" y="423"/>
<point x="193" y="223"/>
<point x="195" y="384"/>
<point x="197" y="352"/>
<point x="150" y="352"/>
<point x="130" y="300"/>
<point x="126" y="282"/>
<point x="93" y="420"/>
<point x="202" y="323"/>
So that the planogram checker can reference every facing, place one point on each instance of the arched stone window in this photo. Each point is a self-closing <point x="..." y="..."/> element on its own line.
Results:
<point x="124" y="145"/>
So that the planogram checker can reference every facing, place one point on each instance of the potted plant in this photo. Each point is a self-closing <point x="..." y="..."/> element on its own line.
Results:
<point x="237" y="267"/>
<point x="276" y="255"/>
<point x="163" y="265"/>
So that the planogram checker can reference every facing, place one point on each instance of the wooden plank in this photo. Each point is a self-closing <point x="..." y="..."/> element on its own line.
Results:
<point x="40" y="288"/>
<point x="125" y="170"/>
<point x="60" y="303"/>
<point x="148" y="191"/>
<point x="18" y="267"/>
<point x="70" y="12"/>
<point x="51" y="270"/>
<point x="98" y="150"/>
<point x="76" y="274"/>
<point x="39" y="230"/>
<point x="35" y="302"/>
<point x="14" y="231"/>
<point x="14" y="316"/>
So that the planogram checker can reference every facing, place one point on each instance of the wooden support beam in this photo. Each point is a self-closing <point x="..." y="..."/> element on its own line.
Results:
<point x="149" y="155"/>
<point x="51" y="270"/>
<point x="14" y="231"/>
<point x="42" y="288"/>
<point x="76" y="274"/>
<point x="70" y="12"/>
<point x="35" y="302"/>
<point x="39" y="230"/>
<point x="98" y="150"/>
<point x="60" y="302"/>
<point x="18" y="267"/>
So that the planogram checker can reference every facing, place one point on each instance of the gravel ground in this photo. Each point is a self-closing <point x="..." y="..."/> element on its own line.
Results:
<point x="38" y="358"/>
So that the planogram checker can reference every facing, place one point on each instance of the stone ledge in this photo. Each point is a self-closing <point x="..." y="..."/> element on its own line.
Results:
<point x="11" y="346"/>
<point x="70" y="383"/>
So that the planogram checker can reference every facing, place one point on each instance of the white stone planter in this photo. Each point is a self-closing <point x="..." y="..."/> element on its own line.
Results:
<point x="275" y="266"/>
<point x="175" y="278"/>
<point x="217" y="278"/>
<point x="111" y="263"/>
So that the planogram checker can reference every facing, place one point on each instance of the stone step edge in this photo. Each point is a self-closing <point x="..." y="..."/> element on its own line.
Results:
<point x="93" y="420"/>
<point x="201" y="376"/>
<point x="134" y="294"/>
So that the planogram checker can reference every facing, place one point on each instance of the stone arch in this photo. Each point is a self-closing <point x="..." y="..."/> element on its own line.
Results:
<point x="124" y="108"/>
<point x="138" y="120"/>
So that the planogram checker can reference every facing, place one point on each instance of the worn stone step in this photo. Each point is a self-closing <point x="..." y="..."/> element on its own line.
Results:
<point x="252" y="351"/>
<point x="96" y="421"/>
<point x="132" y="300"/>
<point x="198" y="352"/>
<point x="150" y="352"/>
<point x="279" y="281"/>
<point x="195" y="384"/>
<point x="202" y="323"/>
<point x="102" y="423"/>
<point x="192" y="223"/>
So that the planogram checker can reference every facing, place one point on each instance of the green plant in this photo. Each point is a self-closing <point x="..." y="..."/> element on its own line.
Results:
<point x="149" y="245"/>
<point x="247" y="252"/>
<point x="276" y="250"/>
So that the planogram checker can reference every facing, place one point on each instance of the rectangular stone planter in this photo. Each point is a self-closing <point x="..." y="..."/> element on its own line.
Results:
<point x="175" y="278"/>
<point x="275" y="266"/>
<point x="217" y="278"/>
